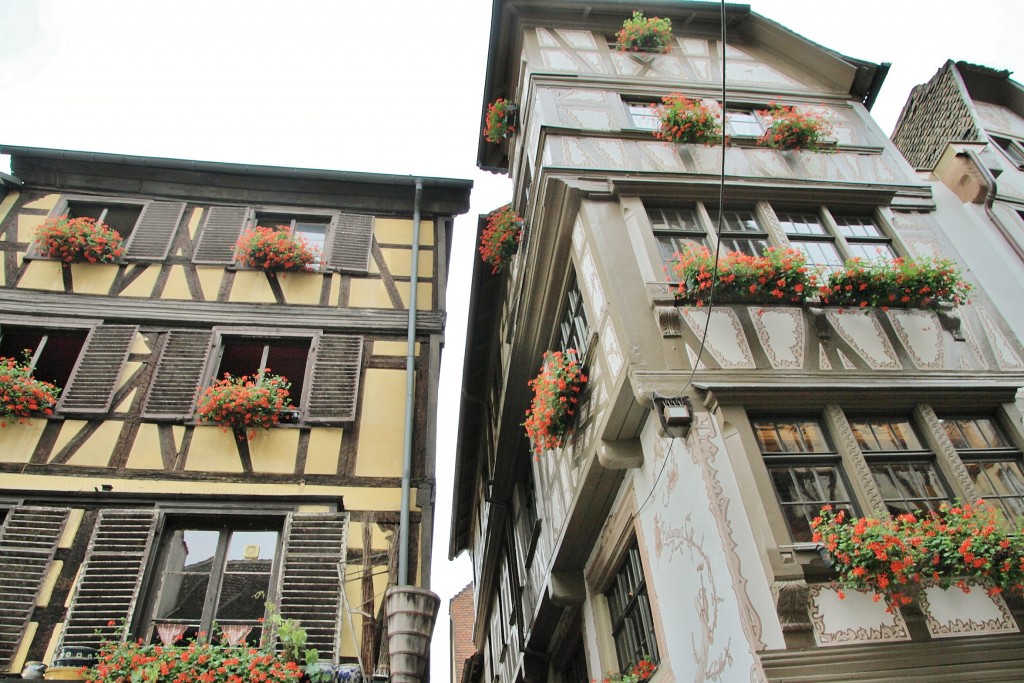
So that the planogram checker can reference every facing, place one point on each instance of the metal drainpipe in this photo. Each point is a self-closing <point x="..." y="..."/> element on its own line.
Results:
<point x="410" y="389"/>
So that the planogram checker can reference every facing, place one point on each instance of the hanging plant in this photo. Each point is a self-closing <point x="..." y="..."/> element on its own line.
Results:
<point x="789" y="128"/>
<point x="79" y="240"/>
<point x="500" y="239"/>
<point x="907" y="283"/>
<point x="275" y="249"/>
<point x="499" y="122"/>
<point x="21" y="394"/>
<point x="687" y="121"/>
<point x="246" y="402"/>
<point x="642" y="34"/>
<point x="778" y="276"/>
<point x="556" y="393"/>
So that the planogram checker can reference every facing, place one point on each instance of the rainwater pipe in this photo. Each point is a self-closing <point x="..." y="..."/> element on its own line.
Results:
<point x="410" y="389"/>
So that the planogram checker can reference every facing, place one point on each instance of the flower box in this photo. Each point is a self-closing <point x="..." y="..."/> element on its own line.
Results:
<point x="893" y="557"/>
<point x="500" y="121"/>
<point x="778" y="276"/>
<point x="908" y="283"/>
<point x="556" y="393"/>
<point x="500" y="239"/>
<point x="246" y="403"/>
<point x="687" y="121"/>
<point x="644" y="34"/>
<point x="78" y="240"/>
<point x="276" y="249"/>
<point x="21" y="394"/>
<point x="789" y="128"/>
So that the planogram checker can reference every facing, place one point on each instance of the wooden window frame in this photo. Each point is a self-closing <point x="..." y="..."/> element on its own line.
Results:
<point x="1011" y="147"/>
<point x="293" y="215"/>
<point x="1010" y="452"/>
<point x="574" y="328"/>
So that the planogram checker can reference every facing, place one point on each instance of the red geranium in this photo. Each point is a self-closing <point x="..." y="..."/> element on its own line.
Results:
<point x="79" y="240"/>
<point x="274" y="249"/>
<point x="500" y="239"/>
<point x="556" y="393"/>
<point x="245" y="402"/>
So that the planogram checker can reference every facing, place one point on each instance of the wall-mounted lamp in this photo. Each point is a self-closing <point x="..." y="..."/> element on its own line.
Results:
<point x="675" y="415"/>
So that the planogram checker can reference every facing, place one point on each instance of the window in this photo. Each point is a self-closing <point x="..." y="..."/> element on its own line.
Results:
<point x="904" y="471"/>
<point x="214" y="575"/>
<point x="120" y="217"/>
<point x="743" y="124"/>
<point x="864" y="239"/>
<point x="675" y="230"/>
<point x="740" y="232"/>
<point x="574" y="328"/>
<point x="253" y="355"/>
<point x="991" y="461"/>
<point x="313" y="229"/>
<point x="52" y="352"/>
<point x="806" y="233"/>
<point x="630" y="610"/>
<point x="804" y="469"/>
<point x="644" y="115"/>
<point x="1012" y="148"/>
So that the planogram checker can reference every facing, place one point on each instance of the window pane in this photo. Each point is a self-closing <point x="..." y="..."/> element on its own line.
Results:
<point x="869" y="251"/>
<point x="644" y="116"/>
<point x="315" y="234"/>
<point x="819" y="253"/>
<point x="886" y="435"/>
<point x="243" y="592"/>
<point x="979" y="432"/>
<point x="801" y="224"/>
<point x="799" y="436"/>
<point x="909" y="486"/>
<point x="802" y="491"/>
<point x="120" y="217"/>
<point x="186" y="576"/>
<point x="743" y="123"/>
<point x="288" y="357"/>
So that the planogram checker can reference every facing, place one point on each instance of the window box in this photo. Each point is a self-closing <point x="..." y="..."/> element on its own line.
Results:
<point x="277" y="248"/>
<point x="789" y="128"/>
<point x="645" y="34"/>
<point x="500" y="240"/>
<point x="779" y="276"/>
<point x="556" y="391"/>
<point x="922" y="283"/>
<point x="78" y="240"/>
<point x="245" y="403"/>
<point x="500" y="121"/>
<point x="687" y="121"/>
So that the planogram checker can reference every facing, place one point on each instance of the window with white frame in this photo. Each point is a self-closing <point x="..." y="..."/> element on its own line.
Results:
<point x="739" y="231"/>
<point x="864" y="238"/>
<point x="743" y="124"/>
<point x="644" y="115"/>
<point x="1012" y="148"/>
<point x="676" y="229"/>
<point x="312" y="229"/>
<point x="804" y="468"/>
<point x="992" y="462"/>
<point x="807" y="233"/>
<point x="629" y="608"/>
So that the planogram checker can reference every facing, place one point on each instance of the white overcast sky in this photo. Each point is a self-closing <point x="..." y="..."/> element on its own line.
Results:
<point x="392" y="86"/>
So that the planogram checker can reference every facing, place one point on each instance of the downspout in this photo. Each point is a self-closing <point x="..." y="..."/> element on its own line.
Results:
<point x="410" y="390"/>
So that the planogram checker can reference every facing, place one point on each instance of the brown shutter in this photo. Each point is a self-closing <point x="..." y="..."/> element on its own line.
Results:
<point x="335" y="379"/>
<point x="350" y="242"/>
<point x="91" y="386"/>
<point x="151" y="238"/>
<point x="108" y="582"/>
<point x="312" y="565"/>
<point x="180" y="369"/>
<point x="221" y="229"/>
<point x="28" y="541"/>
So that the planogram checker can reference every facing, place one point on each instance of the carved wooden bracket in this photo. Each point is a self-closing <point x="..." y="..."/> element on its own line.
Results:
<point x="791" y="601"/>
<point x="820" y="322"/>
<point x="669" y="321"/>
<point x="952" y="322"/>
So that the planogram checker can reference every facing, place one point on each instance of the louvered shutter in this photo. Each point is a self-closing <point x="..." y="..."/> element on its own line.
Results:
<point x="177" y="376"/>
<point x="335" y="379"/>
<point x="313" y="562"/>
<point x="28" y="541"/>
<point x="220" y="233"/>
<point x="111" y="574"/>
<point x="151" y="238"/>
<point x="350" y="242"/>
<point x="91" y="386"/>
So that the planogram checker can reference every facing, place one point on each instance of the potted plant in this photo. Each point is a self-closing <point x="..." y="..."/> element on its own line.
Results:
<point x="556" y="391"/>
<point x="500" y="239"/>
<point x="909" y="283"/>
<point x="275" y="249"/>
<point x="78" y="240"/>
<point x="641" y="671"/>
<point x="778" y="276"/>
<point x="500" y="121"/>
<point x="245" y="403"/>
<point x="790" y="128"/>
<point x="892" y="556"/>
<point x="21" y="394"/>
<point x="643" y="34"/>
<point x="685" y="120"/>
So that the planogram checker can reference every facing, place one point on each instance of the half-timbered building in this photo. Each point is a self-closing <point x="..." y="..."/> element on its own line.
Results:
<point x="672" y="523"/>
<point x="124" y="508"/>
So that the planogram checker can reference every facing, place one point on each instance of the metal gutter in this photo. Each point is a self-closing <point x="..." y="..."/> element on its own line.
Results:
<point x="410" y="388"/>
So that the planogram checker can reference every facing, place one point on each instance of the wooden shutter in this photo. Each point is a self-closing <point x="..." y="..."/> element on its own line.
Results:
<point x="313" y="562"/>
<point x="221" y="229"/>
<point x="94" y="379"/>
<point x="154" y="231"/>
<point x="350" y="242"/>
<point x="111" y="574"/>
<point x="178" y="373"/>
<point x="335" y="379"/>
<point x="28" y="541"/>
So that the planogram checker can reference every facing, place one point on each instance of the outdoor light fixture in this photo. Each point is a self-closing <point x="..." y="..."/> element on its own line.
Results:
<point x="675" y="415"/>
